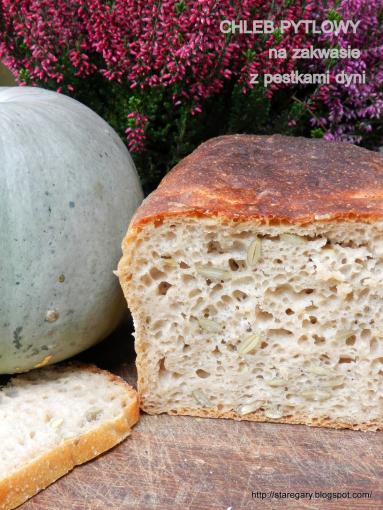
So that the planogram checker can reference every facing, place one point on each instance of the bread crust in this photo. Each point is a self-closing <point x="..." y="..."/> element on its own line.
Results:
<point x="49" y="467"/>
<point x="272" y="179"/>
<point x="258" y="416"/>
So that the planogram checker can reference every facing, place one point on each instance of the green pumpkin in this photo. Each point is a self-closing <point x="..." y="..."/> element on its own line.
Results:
<point x="68" y="188"/>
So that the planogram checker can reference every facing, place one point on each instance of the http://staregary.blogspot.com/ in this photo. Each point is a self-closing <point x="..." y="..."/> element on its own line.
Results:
<point x="335" y="27"/>
<point x="283" y="495"/>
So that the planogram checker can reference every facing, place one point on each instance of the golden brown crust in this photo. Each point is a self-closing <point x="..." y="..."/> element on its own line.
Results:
<point x="294" y="420"/>
<point x="275" y="179"/>
<point x="39" y="473"/>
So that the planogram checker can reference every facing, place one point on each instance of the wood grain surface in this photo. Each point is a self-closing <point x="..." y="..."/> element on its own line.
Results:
<point x="205" y="464"/>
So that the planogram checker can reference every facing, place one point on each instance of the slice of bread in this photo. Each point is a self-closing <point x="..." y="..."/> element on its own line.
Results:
<point x="254" y="274"/>
<point x="55" y="418"/>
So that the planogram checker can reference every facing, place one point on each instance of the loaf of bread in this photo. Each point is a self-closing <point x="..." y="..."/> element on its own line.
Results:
<point x="55" y="418"/>
<point x="254" y="274"/>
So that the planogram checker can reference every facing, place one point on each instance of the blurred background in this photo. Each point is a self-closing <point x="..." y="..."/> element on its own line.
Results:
<point x="166" y="78"/>
<point x="6" y="77"/>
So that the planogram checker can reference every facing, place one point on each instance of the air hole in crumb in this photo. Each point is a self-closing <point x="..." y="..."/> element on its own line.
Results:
<point x="146" y="279"/>
<point x="280" y="289"/>
<point x="47" y="417"/>
<point x="214" y="247"/>
<point x="261" y="315"/>
<point x="318" y="340"/>
<point x="345" y="359"/>
<point x="186" y="348"/>
<point x="264" y="345"/>
<point x="187" y="278"/>
<point x="313" y="319"/>
<point x="161" y="366"/>
<point x="242" y="367"/>
<point x="216" y="352"/>
<point x="280" y="332"/>
<point x="233" y="265"/>
<point x="169" y="236"/>
<point x="377" y="362"/>
<point x="183" y="265"/>
<point x="309" y="291"/>
<point x="350" y="340"/>
<point x="243" y="234"/>
<point x="217" y="287"/>
<point x="373" y="345"/>
<point x="209" y="311"/>
<point x="158" y="324"/>
<point x="202" y="373"/>
<point x="194" y="293"/>
<point x="239" y="295"/>
<point x="163" y="287"/>
<point x="156" y="274"/>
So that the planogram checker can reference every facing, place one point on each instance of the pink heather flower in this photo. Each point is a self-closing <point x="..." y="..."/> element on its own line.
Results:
<point x="135" y="133"/>
<point x="177" y="44"/>
<point x="142" y="43"/>
<point x="360" y="104"/>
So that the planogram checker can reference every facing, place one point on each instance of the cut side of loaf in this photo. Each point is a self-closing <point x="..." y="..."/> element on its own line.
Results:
<point x="255" y="278"/>
<point x="55" y="418"/>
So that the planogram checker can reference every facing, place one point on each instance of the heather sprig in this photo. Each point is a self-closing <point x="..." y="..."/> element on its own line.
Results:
<point x="350" y="113"/>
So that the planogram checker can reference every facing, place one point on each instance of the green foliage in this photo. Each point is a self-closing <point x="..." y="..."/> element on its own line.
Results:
<point x="317" y="133"/>
<point x="180" y="7"/>
<point x="278" y="35"/>
<point x="174" y="131"/>
<point x="334" y="15"/>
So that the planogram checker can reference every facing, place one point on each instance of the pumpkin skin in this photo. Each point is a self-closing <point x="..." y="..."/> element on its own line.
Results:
<point x="68" y="189"/>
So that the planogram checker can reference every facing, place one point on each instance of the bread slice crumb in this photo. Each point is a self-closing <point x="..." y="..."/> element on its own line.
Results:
<point x="285" y="319"/>
<point x="55" y="418"/>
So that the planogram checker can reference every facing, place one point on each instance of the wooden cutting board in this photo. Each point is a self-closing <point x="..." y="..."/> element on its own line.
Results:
<point x="205" y="464"/>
